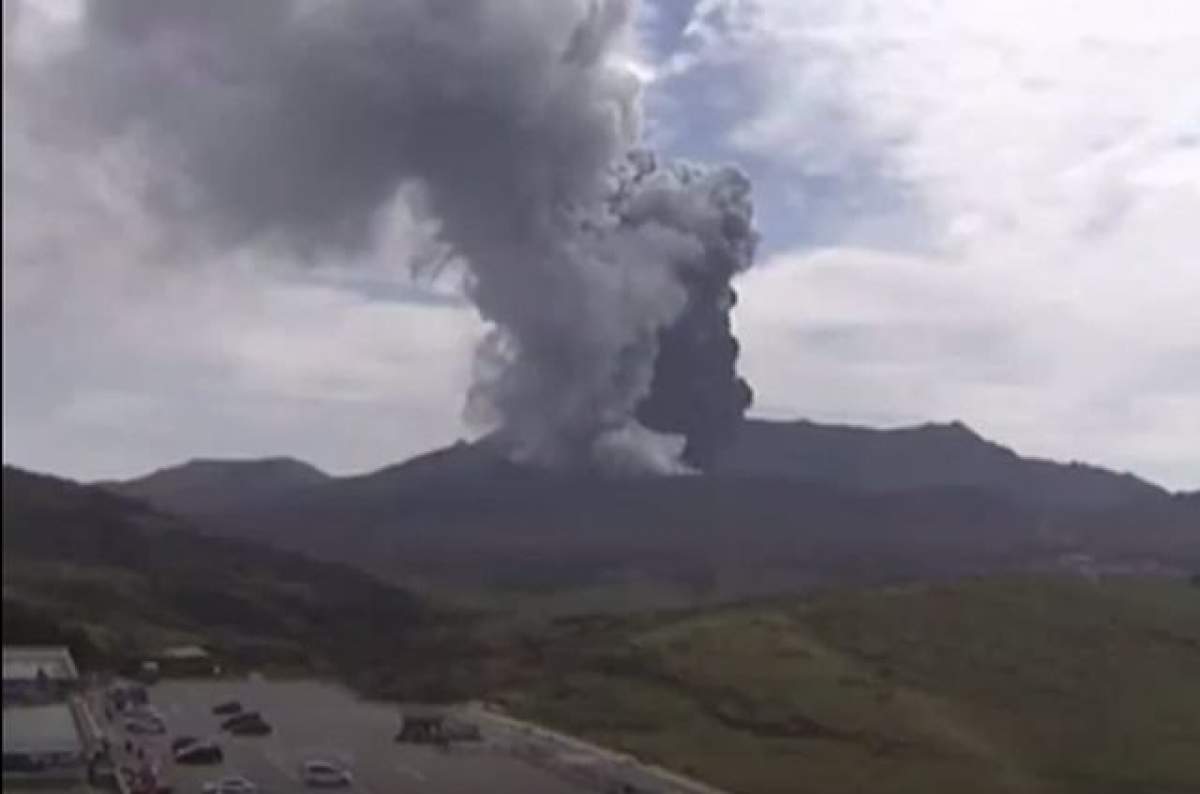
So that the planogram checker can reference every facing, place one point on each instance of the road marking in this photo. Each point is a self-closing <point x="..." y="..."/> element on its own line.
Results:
<point x="404" y="769"/>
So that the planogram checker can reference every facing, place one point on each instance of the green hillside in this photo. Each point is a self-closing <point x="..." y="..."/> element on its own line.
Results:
<point x="1018" y="685"/>
<point x="114" y="578"/>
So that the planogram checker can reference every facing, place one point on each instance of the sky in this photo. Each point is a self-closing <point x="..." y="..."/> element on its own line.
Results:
<point x="982" y="210"/>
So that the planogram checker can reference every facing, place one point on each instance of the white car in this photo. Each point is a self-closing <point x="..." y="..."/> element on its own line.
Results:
<point x="142" y="726"/>
<point x="230" y="785"/>
<point x="325" y="774"/>
<point x="147" y="713"/>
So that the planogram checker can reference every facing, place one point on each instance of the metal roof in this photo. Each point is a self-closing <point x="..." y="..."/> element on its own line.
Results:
<point x="22" y="663"/>
<point x="182" y="652"/>
<point x="41" y="729"/>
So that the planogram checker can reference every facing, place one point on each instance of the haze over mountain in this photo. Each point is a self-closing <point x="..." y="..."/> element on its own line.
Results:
<point x="207" y="485"/>
<point x="793" y="505"/>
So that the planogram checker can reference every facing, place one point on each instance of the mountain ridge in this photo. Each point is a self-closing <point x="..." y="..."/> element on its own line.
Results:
<point x="842" y="455"/>
<point x="930" y="454"/>
<point x="201" y="485"/>
<point x="846" y="506"/>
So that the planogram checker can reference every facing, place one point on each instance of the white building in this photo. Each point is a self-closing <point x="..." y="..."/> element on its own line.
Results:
<point x="38" y="674"/>
<point x="43" y="744"/>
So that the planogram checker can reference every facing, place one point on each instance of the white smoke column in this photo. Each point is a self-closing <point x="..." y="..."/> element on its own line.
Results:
<point x="298" y="122"/>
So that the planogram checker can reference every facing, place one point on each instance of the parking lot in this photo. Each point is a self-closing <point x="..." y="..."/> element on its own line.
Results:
<point x="313" y="720"/>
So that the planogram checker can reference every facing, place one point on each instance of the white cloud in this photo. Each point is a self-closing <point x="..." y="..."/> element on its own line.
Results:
<point x="197" y="365"/>
<point x="1049" y="156"/>
<point x="853" y="335"/>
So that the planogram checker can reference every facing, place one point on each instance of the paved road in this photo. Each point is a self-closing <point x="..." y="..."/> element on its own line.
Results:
<point x="314" y="720"/>
<point x="594" y="766"/>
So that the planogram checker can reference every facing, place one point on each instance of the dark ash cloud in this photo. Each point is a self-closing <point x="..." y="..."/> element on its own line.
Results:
<point x="295" y="123"/>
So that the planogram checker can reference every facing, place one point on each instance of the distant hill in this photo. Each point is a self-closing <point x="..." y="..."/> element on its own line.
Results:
<point x="532" y="530"/>
<point x="849" y="458"/>
<point x="796" y="505"/>
<point x="111" y="575"/>
<point x="203" y="486"/>
<point x="1168" y="529"/>
<point x="933" y="455"/>
<point x="464" y="520"/>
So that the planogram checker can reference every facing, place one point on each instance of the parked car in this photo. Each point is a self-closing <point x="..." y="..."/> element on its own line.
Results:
<point x="23" y="763"/>
<point x="199" y="753"/>
<point x="230" y="785"/>
<point x="251" y="727"/>
<point x="126" y="695"/>
<point x="245" y="716"/>
<point x="157" y="784"/>
<point x="101" y="771"/>
<point x="228" y="707"/>
<point x="144" y="726"/>
<point x="148" y="673"/>
<point x="460" y="731"/>
<point x="180" y="742"/>
<point x="145" y="712"/>
<point x="325" y="774"/>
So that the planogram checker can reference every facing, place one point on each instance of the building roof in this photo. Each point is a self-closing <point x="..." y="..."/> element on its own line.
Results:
<point x="22" y="663"/>
<point x="41" y="729"/>
<point x="180" y="652"/>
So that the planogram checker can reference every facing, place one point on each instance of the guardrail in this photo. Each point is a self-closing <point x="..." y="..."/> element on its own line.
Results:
<point x="605" y="769"/>
<point x="86" y="720"/>
<point x="95" y="736"/>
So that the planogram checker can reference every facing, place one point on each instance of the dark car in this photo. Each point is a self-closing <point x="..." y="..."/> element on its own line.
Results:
<point x="325" y="774"/>
<point x="255" y="726"/>
<point x="180" y="742"/>
<point x="200" y="753"/>
<point x="228" y="707"/>
<point x="145" y="726"/>
<point x="463" y="732"/>
<point x="102" y="772"/>
<point x="22" y="762"/>
<point x="245" y="716"/>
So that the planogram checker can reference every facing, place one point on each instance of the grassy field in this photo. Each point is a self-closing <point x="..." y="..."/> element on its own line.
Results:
<point x="999" y="685"/>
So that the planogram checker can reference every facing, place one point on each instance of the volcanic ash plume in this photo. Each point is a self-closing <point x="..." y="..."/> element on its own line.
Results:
<point x="605" y="274"/>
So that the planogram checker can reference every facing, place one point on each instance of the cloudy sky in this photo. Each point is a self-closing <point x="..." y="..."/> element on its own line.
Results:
<point x="986" y="210"/>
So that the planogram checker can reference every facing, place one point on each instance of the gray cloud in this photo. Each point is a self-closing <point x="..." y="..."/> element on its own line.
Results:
<point x="291" y="126"/>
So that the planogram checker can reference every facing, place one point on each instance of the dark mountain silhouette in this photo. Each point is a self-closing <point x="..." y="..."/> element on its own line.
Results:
<point x="1168" y="529"/>
<point x="931" y="455"/>
<point x="816" y="505"/>
<point x="850" y="458"/>
<point x="111" y="575"/>
<point x="200" y="486"/>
